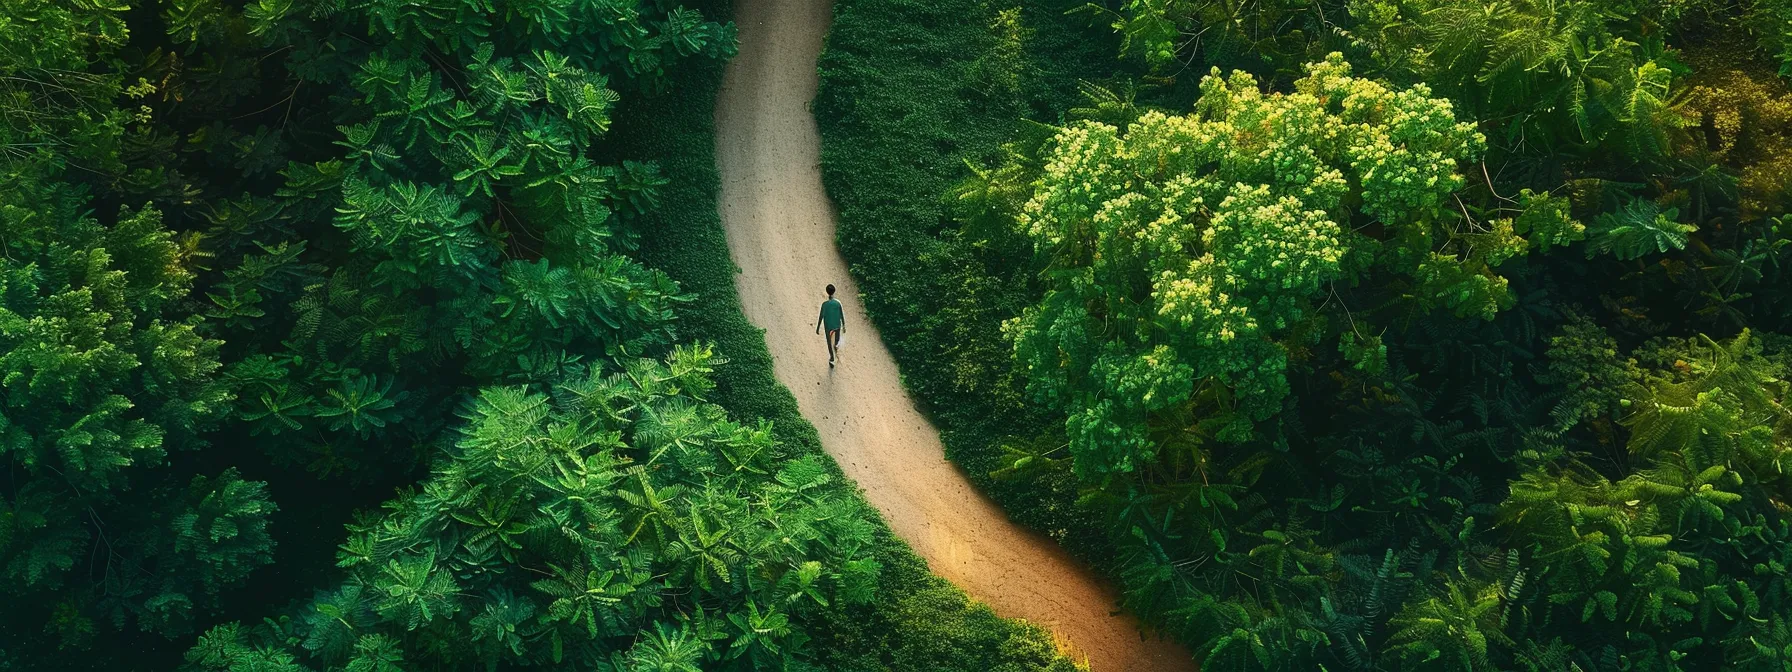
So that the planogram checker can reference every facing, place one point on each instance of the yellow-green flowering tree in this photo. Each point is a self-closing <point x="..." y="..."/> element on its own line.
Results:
<point x="1186" y="255"/>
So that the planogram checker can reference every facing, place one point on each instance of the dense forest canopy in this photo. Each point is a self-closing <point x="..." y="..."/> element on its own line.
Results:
<point x="327" y="342"/>
<point x="1352" y="335"/>
<point x="1345" y="335"/>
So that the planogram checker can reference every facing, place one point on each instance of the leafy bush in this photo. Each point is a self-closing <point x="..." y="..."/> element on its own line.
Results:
<point x="1184" y="253"/>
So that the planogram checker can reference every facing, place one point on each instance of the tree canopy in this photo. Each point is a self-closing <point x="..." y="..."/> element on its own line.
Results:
<point x="1186" y="256"/>
<point x="277" y="269"/>
<point x="1350" y="335"/>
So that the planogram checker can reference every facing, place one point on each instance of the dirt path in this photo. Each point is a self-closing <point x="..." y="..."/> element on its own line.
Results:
<point x="781" y="234"/>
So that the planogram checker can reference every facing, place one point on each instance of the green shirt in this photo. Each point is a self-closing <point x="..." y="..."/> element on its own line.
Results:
<point x="831" y="315"/>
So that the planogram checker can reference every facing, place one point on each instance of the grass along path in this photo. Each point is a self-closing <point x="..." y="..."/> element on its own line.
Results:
<point x="781" y="234"/>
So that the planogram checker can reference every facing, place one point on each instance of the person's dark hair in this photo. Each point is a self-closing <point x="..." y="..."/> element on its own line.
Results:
<point x="830" y="290"/>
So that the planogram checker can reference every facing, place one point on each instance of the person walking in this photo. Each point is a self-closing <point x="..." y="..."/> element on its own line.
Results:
<point x="834" y="318"/>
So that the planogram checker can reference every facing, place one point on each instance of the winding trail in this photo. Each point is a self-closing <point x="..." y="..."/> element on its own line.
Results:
<point x="780" y="228"/>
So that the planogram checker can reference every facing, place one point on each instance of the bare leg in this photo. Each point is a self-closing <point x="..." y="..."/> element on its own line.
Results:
<point x="833" y="338"/>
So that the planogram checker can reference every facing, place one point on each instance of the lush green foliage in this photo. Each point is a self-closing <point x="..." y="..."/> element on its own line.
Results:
<point x="1687" y="549"/>
<point x="368" y="238"/>
<point x="102" y="370"/>
<point x="469" y="232"/>
<point x="617" y="522"/>
<point x="1532" y="418"/>
<point x="1182" y="251"/>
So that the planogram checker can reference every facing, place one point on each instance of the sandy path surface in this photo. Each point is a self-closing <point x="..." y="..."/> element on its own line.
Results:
<point x="781" y="234"/>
